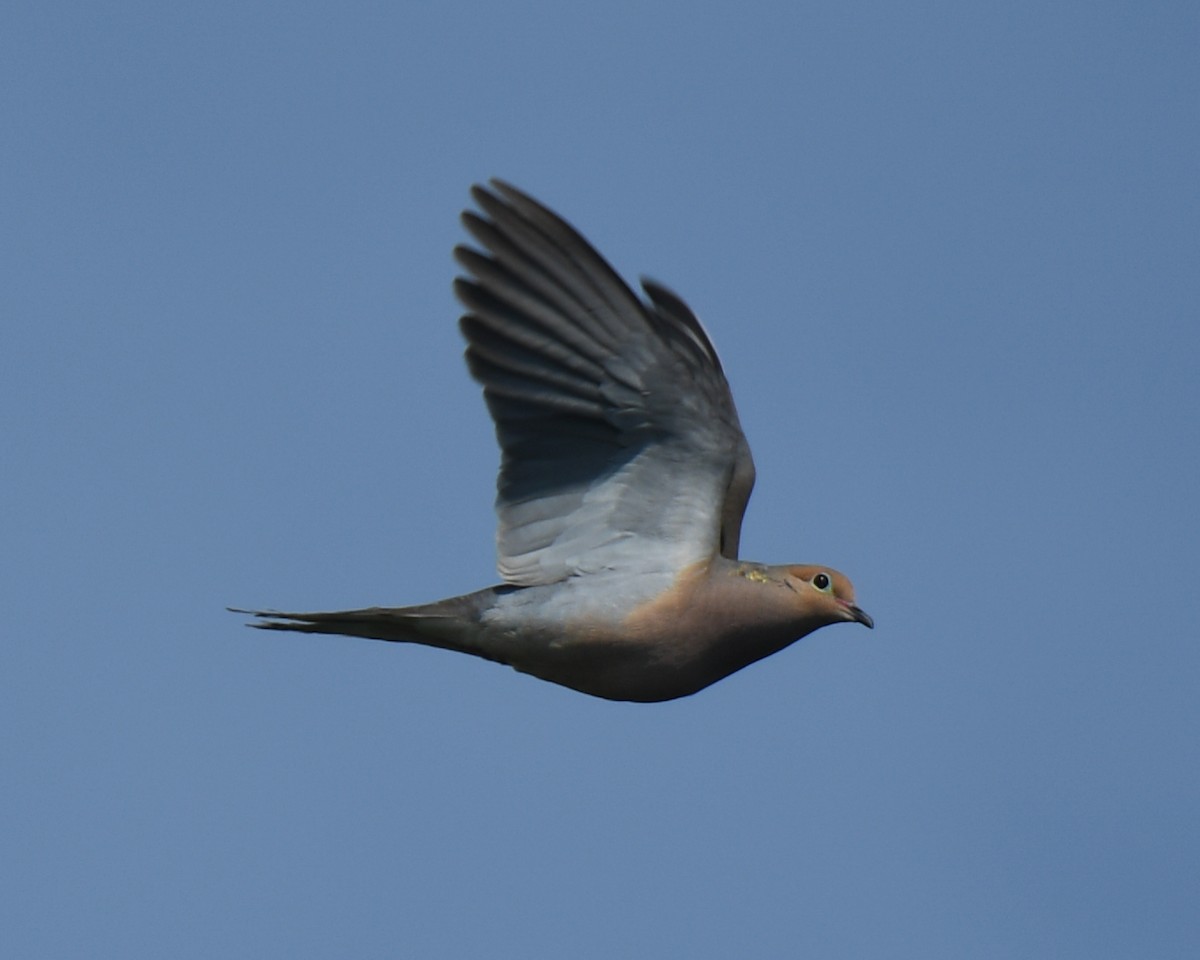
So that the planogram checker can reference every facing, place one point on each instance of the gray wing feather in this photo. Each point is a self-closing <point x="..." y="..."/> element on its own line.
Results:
<point x="621" y="448"/>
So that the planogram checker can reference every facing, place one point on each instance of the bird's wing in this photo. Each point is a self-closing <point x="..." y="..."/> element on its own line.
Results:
<point x="621" y="448"/>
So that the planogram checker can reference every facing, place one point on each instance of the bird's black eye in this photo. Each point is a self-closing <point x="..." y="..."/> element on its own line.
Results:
<point x="821" y="582"/>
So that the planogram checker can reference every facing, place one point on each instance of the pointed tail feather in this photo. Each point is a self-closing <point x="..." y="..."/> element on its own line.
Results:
<point x="374" y="623"/>
<point x="449" y="624"/>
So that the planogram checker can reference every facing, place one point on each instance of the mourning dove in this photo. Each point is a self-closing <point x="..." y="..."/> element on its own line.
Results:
<point x="623" y="479"/>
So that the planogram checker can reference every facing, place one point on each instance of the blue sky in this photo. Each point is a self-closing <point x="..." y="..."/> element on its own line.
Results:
<point x="949" y="254"/>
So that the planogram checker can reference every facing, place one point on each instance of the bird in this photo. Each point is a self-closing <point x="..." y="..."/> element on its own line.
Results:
<point x="623" y="481"/>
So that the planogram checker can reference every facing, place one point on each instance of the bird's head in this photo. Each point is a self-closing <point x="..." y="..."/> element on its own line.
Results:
<point x="827" y="593"/>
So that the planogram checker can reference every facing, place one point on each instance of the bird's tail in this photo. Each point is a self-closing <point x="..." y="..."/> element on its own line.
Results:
<point x="451" y="624"/>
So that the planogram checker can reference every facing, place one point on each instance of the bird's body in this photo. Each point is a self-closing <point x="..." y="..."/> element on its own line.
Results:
<point x="623" y="482"/>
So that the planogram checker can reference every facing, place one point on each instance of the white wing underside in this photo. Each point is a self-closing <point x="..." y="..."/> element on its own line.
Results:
<point x="621" y="447"/>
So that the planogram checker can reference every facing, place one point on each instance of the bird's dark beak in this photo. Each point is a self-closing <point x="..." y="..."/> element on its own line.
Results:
<point x="857" y="613"/>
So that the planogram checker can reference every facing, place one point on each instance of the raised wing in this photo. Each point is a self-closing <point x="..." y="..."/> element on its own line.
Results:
<point x="621" y="448"/>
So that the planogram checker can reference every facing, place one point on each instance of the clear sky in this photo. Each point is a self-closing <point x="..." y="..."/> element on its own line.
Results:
<point x="950" y="253"/>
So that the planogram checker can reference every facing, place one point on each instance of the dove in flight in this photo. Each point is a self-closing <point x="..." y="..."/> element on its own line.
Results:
<point x="623" y="480"/>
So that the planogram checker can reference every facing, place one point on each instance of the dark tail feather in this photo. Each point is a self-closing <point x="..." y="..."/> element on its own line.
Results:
<point x="402" y="624"/>
<point x="451" y="624"/>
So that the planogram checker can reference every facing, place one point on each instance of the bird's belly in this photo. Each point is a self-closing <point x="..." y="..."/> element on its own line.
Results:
<point x="606" y="663"/>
